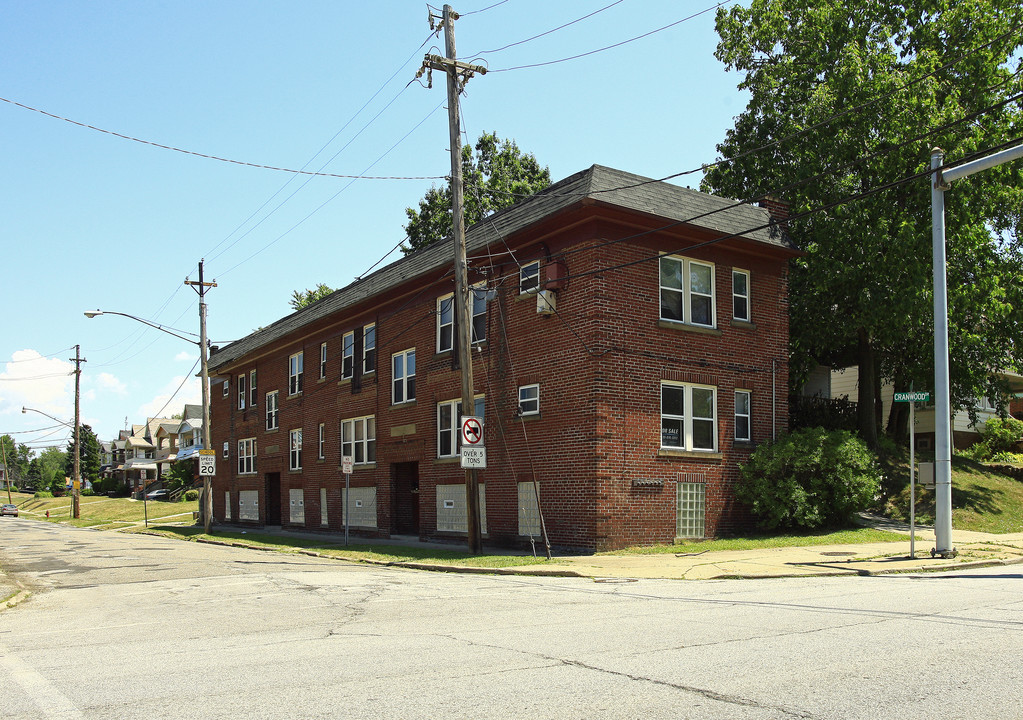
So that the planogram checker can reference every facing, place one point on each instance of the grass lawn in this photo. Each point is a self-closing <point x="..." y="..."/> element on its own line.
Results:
<point x="982" y="499"/>
<point x="851" y="536"/>
<point x="378" y="553"/>
<point x="99" y="510"/>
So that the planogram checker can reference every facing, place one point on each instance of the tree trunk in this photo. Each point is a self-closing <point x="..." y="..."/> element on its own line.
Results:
<point x="865" y="406"/>
<point x="898" y="416"/>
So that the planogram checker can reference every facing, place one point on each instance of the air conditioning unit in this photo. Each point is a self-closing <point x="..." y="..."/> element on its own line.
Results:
<point x="546" y="302"/>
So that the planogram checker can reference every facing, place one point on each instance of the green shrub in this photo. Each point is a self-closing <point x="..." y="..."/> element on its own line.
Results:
<point x="980" y="451"/>
<point x="191" y="494"/>
<point x="1002" y="434"/>
<point x="1008" y="457"/>
<point x="43" y="494"/>
<point x="808" y="479"/>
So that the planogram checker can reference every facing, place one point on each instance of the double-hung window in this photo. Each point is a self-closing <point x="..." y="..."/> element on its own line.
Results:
<point x="323" y="360"/>
<point x="295" y="374"/>
<point x="449" y="425"/>
<point x="529" y="277"/>
<point x="403" y="376"/>
<point x="688" y="416"/>
<point x="252" y="388"/>
<point x="271" y="410"/>
<point x="743" y="427"/>
<point x="347" y="356"/>
<point x="246" y="456"/>
<point x="687" y="291"/>
<point x="479" y="314"/>
<point x="529" y="400"/>
<point x="359" y="439"/>
<point x="369" y="349"/>
<point x="321" y="442"/>
<point x="295" y="444"/>
<point x="740" y="295"/>
<point x="446" y="319"/>
<point x="227" y="387"/>
<point x="241" y="392"/>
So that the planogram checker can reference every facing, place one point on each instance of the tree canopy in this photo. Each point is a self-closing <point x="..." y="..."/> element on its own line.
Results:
<point x="89" y="459"/>
<point x="494" y="176"/>
<point x="301" y="298"/>
<point x="848" y="97"/>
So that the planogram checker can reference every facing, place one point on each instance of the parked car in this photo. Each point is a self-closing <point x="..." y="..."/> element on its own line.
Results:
<point x="11" y="510"/>
<point x="158" y="495"/>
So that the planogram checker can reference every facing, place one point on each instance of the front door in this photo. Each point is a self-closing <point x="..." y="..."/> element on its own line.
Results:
<point x="273" y="498"/>
<point x="405" y="498"/>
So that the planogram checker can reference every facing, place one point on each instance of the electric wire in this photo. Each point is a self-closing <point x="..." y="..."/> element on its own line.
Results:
<point x="473" y="12"/>
<point x="617" y="44"/>
<point x="548" y="32"/>
<point x="217" y="157"/>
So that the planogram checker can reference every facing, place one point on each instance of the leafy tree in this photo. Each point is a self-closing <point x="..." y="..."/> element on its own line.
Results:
<point x="89" y="459"/>
<point x="181" y="474"/>
<point x="19" y="459"/>
<point x="898" y="79"/>
<point x="51" y="464"/>
<point x="302" y="298"/>
<point x="495" y="176"/>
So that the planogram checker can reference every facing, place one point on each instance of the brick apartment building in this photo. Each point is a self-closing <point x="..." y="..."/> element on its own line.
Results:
<point x="630" y="349"/>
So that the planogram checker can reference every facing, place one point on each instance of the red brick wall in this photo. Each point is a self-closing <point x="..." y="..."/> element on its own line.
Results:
<point x="599" y="361"/>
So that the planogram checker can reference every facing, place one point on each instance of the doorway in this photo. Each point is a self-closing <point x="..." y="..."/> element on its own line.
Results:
<point x="405" y="498"/>
<point x="273" y="499"/>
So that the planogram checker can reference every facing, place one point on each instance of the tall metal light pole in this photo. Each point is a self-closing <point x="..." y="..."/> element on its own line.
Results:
<point x="206" y="505"/>
<point x="942" y="405"/>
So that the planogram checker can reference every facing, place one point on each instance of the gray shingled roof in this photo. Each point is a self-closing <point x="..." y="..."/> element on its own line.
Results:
<point x="600" y="184"/>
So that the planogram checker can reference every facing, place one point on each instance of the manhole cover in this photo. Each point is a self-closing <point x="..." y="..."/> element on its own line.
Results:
<point x="838" y="554"/>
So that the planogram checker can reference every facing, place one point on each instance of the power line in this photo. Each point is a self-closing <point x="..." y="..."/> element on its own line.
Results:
<point x="617" y="44"/>
<point x="548" y="32"/>
<point x="473" y="12"/>
<point x="217" y="157"/>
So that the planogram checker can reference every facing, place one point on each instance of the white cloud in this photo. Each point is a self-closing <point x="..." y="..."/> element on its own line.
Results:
<point x="38" y="382"/>
<point x="170" y="400"/>
<point x="185" y="355"/>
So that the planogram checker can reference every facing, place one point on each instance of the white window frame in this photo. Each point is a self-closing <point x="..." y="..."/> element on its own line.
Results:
<point x="449" y="437"/>
<point x="403" y="381"/>
<point x="369" y="348"/>
<point x="227" y="449"/>
<point x="347" y="355"/>
<point x="323" y="360"/>
<point x="273" y="410"/>
<point x="743" y="297"/>
<point x="686" y="291"/>
<point x="227" y="387"/>
<point x="478" y="310"/>
<point x="295" y="449"/>
<point x="747" y="416"/>
<point x="295" y="373"/>
<point x="321" y="441"/>
<point x="529" y="278"/>
<point x="358" y="439"/>
<point x="242" y="392"/>
<point x="247" y="456"/>
<point x="686" y="420"/>
<point x="445" y="322"/>
<point x="525" y="400"/>
<point x="252" y="388"/>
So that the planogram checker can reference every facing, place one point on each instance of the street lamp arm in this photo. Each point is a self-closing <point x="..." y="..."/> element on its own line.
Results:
<point x="94" y="313"/>
<point x="28" y="409"/>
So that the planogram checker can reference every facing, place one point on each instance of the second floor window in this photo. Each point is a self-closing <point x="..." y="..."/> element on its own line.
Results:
<point x="271" y="410"/>
<point x="241" y="392"/>
<point x="359" y="439"/>
<point x="369" y="349"/>
<point x="347" y="355"/>
<point x="323" y="360"/>
<point x="295" y="374"/>
<point x="403" y="366"/>
<point x="740" y="295"/>
<point x="252" y="388"/>
<point x="295" y="443"/>
<point x="687" y="291"/>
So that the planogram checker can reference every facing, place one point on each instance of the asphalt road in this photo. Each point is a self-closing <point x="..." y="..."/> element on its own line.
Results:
<point x="123" y="626"/>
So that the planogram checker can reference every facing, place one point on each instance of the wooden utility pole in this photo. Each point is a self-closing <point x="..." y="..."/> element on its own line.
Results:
<point x="206" y="505"/>
<point x="457" y="74"/>
<point x="77" y="479"/>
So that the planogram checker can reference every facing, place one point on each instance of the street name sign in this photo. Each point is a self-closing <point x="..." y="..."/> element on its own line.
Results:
<point x="912" y="397"/>
<point x="474" y="457"/>
<point x="207" y="462"/>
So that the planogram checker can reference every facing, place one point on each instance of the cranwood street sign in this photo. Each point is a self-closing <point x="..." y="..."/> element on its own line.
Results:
<point x="912" y="397"/>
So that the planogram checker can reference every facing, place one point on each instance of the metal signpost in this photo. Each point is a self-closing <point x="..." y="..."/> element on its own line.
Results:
<point x="346" y="467"/>
<point x="912" y="398"/>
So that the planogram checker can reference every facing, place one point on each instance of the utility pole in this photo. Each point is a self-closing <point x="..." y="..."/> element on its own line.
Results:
<point x="206" y="506"/>
<point x="7" y="470"/>
<point x="458" y="74"/>
<point x="77" y="479"/>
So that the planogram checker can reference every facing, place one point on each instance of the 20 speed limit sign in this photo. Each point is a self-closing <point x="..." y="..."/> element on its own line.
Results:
<point x="207" y="462"/>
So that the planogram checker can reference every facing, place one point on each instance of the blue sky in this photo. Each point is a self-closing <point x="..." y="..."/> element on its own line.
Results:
<point x="91" y="220"/>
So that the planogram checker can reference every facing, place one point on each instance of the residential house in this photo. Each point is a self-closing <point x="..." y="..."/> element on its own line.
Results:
<point x="630" y="342"/>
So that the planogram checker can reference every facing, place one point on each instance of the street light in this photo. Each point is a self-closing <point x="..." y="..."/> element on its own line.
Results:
<point x="206" y="507"/>
<point x="76" y="480"/>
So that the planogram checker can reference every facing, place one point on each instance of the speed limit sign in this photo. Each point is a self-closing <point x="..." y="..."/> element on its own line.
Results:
<point x="207" y="462"/>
